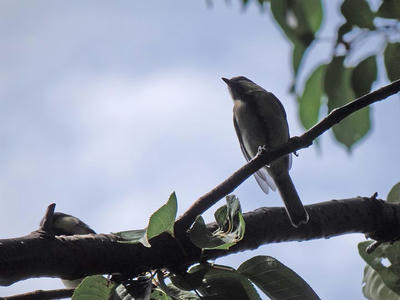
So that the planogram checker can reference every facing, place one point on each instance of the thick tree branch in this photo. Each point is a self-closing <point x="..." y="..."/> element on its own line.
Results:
<point x="43" y="295"/>
<point x="267" y="156"/>
<point x="72" y="257"/>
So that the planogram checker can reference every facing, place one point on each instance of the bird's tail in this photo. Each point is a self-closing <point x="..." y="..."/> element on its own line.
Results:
<point x="294" y="208"/>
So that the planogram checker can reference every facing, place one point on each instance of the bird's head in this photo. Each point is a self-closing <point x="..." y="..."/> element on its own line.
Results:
<point x="240" y="86"/>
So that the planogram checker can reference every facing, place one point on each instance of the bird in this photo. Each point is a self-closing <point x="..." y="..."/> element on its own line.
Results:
<point x="260" y="120"/>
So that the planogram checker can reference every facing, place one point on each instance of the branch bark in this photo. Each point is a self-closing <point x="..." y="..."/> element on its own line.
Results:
<point x="69" y="257"/>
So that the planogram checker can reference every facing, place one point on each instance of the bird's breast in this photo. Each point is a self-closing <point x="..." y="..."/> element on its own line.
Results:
<point x="259" y="126"/>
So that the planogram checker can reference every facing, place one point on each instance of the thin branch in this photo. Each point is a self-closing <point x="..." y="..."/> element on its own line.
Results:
<point x="267" y="156"/>
<point x="72" y="257"/>
<point x="43" y="295"/>
<point x="47" y="221"/>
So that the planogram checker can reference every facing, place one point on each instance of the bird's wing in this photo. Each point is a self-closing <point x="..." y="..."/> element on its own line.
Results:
<point x="263" y="179"/>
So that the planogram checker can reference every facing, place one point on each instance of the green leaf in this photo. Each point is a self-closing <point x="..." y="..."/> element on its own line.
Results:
<point x="163" y="219"/>
<point x="339" y="92"/>
<point x="275" y="279"/>
<point x="388" y="271"/>
<point x="363" y="75"/>
<point x="310" y="101"/>
<point x="94" y="288"/>
<point x="181" y="295"/>
<point x="134" y="237"/>
<point x="231" y="227"/>
<point x="392" y="61"/>
<point x="389" y="9"/>
<point x="374" y="288"/>
<point x="394" y="194"/>
<point x="192" y="279"/>
<point x="221" y="216"/>
<point x="159" y="294"/>
<point x="201" y="237"/>
<point x="298" y="52"/>
<point x="222" y="282"/>
<point x="358" y="12"/>
<point x="299" y="20"/>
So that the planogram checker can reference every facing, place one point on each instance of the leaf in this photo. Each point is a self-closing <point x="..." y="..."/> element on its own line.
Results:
<point x="389" y="9"/>
<point x="298" y="52"/>
<point x="394" y="194"/>
<point x="95" y="288"/>
<point x="275" y="279"/>
<point x="310" y="101"/>
<point x="337" y="88"/>
<point x="181" y="295"/>
<point x="374" y="288"/>
<point x="392" y="61"/>
<point x="159" y="294"/>
<point x="222" y="282"/>
<point x="358" y="12"/>
<point x="201" y="237"/>
<point x="163" y="219"/>
<point x="299" y="20"/>
<point x="192" y="279"/>
<point x="385" y="260"/>
<point x="363" y="75"/>
<point x="230" y="231"/>
<point x="134" y="237"/>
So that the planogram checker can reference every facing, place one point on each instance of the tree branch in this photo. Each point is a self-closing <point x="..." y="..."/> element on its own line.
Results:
<point x="267" y="156"/>
<point x="72" y="257"/>
<point x="43" y="295"/>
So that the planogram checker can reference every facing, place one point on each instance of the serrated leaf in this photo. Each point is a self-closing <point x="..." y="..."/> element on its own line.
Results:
<point x="226" y="283"/>
<point x="392" y="61"/>
<point x="310" y="101"/>
<point x="390" y="271"/>
<point x="163" y="219"/>
<point x="338" y="89"/>
<point x="394" y="194"/>
<point x="389" y="9"/>
<point x="358" y="12"/>
<point x="363" y="75"/>
<point x="374" y="288"/>
<point x="94" y="288"/>
<point x="275" y="279"/>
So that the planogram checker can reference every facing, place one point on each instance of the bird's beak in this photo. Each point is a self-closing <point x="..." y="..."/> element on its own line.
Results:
<point x="227" y="81"/>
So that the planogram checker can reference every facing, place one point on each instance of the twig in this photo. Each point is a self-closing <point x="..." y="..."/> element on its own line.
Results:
<point x="47" y="221"/>
<point x="267" y="156"/>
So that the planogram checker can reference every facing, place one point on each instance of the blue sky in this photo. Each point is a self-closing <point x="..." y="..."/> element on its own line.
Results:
<point x="108" y="107"/>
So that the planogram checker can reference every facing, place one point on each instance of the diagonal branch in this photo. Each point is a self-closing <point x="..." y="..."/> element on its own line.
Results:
<point x="267" y="156"/>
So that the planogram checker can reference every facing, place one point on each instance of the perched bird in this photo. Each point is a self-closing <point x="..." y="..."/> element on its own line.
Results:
<point x="260" y="121"/>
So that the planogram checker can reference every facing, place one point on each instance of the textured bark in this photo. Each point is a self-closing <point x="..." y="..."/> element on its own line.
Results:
<point x="41" y="254"/>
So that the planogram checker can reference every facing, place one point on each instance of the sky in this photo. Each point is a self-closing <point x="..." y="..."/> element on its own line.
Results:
<point x="108" y="107"/>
